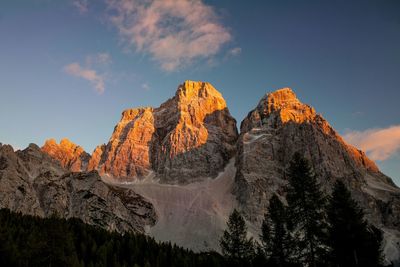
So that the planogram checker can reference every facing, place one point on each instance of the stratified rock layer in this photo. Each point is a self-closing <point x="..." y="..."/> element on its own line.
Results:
<point x="31" y="182"/>
<point x="281" y="125"/>
<point x="71" y="156"/>
<point x="189" y="137"/>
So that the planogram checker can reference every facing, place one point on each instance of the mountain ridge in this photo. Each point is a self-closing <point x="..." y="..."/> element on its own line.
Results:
<point x="191" y="138"/>
<point x="33" y="183"/>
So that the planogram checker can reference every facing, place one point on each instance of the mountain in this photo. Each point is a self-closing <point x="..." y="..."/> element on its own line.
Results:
<point x="33" y="183"/>
<point x="179" y="170"/>
<point x="188" y="138"/>
<point x="281" y="125"/>
<point x="71" y="156"/>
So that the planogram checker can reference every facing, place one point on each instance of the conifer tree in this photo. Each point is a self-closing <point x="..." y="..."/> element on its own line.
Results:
<point x="275" y="237"/>
<point x="306" y="207"/>
<point x="354" y="242"/>
<point x="234" y="243"/>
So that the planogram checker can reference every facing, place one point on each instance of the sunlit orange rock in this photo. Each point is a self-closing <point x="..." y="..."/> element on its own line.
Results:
<point x="71" y="156"/>
<point x="189" y="137"/>
<point x="127" y="153"/>
<point x="282" y="107"/>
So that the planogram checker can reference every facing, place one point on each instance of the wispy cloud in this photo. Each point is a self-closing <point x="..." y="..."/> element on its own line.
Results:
<point x="90" y="70"/>
<point x="81" y="5"/>
<point x="91" y="75"/>
<point x="379" y="144"/>
<point x="173" y="33"/>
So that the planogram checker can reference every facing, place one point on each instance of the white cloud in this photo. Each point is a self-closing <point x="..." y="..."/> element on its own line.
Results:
<point x="379" y="144"/>
<point x="174" y="32"/>
<point x="81" y="5"/>
<point x="75" y="69"/>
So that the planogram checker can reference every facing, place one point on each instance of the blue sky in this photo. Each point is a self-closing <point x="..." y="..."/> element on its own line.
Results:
<point x="69" y="68"/>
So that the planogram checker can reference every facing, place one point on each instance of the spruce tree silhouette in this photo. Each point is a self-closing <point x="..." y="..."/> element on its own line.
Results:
<point x="275" y="237"/>
<point x="235" y="245"/>
<point x="353" y="241"/>
<point x="306" y="206"/>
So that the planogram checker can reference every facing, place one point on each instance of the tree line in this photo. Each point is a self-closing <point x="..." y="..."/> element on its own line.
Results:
<point x="33" y="241"/>
<point x="309" y="229"/>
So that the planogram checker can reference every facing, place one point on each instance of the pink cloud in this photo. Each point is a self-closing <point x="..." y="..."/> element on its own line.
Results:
<point x="174" y="33"/>
<point x="379" y="144"/>
<point x="90" y="75"/>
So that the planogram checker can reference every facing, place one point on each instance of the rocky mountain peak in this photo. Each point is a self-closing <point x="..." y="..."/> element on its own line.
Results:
<point x="193" y="103"/>
<point x="191" y="91"/>
<point x="277" y="108"/>
<point x="6" y="147"/>
<point x="280" y="126"/>
<point x="280" y="99"/>
<point x="190" y="136"/>
<point x="71" y="156"/>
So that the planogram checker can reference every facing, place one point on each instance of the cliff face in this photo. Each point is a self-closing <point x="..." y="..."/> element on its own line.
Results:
<point x="31" y="182"/>
<point x="189" y="137"/>
<point x="127" y="153"/>
<point x="71" y="156"/>
<point x="281" y="125"/>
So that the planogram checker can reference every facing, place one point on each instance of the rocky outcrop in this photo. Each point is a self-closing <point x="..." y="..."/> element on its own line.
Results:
<point x="281" y="125"/>
<point x="189" y="137"/>
<point x="17" y="172"/>
<point x="31" y="182"/>
<point x="85" y="196"/>
<point x="127" y="153"/>
<point x="71" y="156"/>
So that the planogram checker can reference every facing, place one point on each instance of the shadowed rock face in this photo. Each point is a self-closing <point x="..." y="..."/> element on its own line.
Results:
<point x="31" y="182"/>
<point x="71" y="156"/>
<point x="281" y="125"/>
<point x="189" y="137"/>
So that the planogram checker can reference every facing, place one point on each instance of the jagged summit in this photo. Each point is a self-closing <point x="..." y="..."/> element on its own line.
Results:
<point x="71" y="156"/>
<point x="279" y="107"/>
<point x="190" y="96"/>
<point x="192" y="90"/>
<point x="190" y="136"/>
<point x="279" y="99"/>
<point x="187" y="93"/>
